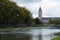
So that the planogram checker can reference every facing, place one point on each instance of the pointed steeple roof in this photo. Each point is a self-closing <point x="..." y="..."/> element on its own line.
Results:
<point x="40" y="9"/>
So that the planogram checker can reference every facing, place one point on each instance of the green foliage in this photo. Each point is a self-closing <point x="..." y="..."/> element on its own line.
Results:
<point x="37" y="21"/>
<point x="12" y="14"/>
<point x="54" y="21"/>
<point x="58" y="34"/>
<point x="56" y="38"/>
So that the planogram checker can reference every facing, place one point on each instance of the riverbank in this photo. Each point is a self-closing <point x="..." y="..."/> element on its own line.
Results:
<point x="23" y="27"/>
<point x="29" y="27"/>
<point x="58" y="36"/>
<point x="11" y="29"/>
<point x="7" y="28"/>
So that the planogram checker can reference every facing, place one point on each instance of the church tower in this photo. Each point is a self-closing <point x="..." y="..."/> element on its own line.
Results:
<point x="40" y="13"/>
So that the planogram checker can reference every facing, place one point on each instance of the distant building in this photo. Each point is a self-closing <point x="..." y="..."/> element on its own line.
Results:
<point x="45" y="20"/>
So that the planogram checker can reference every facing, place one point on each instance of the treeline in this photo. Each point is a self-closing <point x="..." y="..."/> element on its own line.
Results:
<point x="54" y="21"/>
<point x="11" y="14"/>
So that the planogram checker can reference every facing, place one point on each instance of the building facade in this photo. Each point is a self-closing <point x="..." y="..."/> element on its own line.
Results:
<point x="45" y="20"/>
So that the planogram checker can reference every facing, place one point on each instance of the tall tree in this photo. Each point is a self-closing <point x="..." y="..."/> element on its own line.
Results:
<point x="12" y="14"/>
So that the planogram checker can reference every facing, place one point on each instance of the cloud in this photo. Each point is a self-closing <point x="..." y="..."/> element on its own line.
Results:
<point x="27" y="1"/>
<point x="54" y="11"/>
<point x="32" y="5"/>
<point x="50" y="8"/>
<point x="56" y="0"/>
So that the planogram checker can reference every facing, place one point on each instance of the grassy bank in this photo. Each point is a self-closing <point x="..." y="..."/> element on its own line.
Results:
<point x="58" y="36"/>
<point x="38" y="25"/>
<point x="7" y="28"/>
<point x="24" y="27"/>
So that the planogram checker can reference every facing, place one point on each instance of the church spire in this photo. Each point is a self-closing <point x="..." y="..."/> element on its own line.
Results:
<point x="40" y="9"/>
<point x="40" y="13"/>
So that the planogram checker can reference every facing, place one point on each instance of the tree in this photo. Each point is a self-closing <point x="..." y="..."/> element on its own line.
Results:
<point x="7" y="12"/>
<point x="37" y="21"/>
<point x="25" y="16"/>
<point x="12" y="14"/>
<point x="54" y="21"/>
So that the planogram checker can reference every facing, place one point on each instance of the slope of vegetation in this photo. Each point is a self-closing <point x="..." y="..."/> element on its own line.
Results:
<point x="11" y="14"/>
<point x="58" y="36"/>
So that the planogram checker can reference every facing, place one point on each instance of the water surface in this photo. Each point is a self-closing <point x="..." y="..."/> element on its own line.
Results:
<point x="29" y="34"/>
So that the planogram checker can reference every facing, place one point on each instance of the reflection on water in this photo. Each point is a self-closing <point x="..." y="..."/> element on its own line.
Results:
<point x="30" y="34"/>
<point x="15" y="37"/>
<point x="48" y="34"/>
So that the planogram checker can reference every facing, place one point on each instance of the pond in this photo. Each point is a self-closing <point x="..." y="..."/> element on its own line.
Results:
<point x="29" y="34"/>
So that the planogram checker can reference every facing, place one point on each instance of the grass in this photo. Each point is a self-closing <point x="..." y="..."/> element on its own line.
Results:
<point x="21" y="27"/>
<point x="56" y="38"/>
<point x="38" y="25"/>
<point x="58" y="34"/>
<point x="7" y="28"/>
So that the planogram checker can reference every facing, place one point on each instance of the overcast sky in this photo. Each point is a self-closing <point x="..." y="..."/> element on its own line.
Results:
<point x="50" y="8"/>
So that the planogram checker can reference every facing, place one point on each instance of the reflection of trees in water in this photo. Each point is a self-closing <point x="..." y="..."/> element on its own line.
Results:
<point x="37" y="37"/>
<point x="7" y="37"/>
<point x="40" y="37"/>
<point x="24" y="37"/>
<point x="15" y="37"/>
